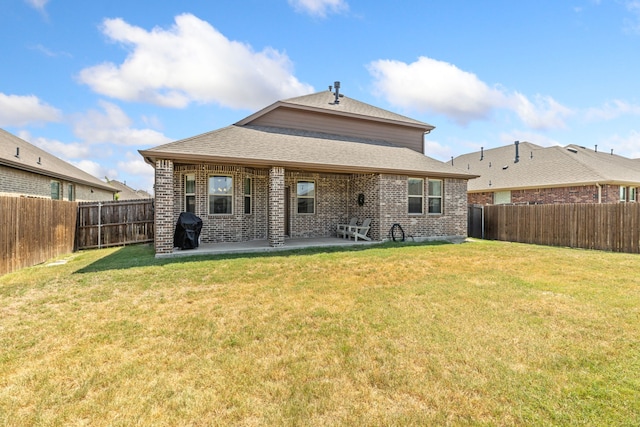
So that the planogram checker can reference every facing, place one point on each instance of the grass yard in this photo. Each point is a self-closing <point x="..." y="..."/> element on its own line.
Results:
<point x="481" y="333"/>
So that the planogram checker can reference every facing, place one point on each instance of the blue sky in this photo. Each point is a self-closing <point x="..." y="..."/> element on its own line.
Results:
<point x="94" y="81"/>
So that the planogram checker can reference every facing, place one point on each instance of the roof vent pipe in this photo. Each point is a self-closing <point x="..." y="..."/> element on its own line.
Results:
<point x="481" y="153"/>
<point x="517" y="152"/>
<point x="612" y="151"/>
<point x="18" y="152"/>
<point x="596" y="148"/>
<point x="451" y="160"/>
<point x="337" y="93"/>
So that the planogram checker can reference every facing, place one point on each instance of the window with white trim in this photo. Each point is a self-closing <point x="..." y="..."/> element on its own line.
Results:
<point x="71" y="192"/>
<point x="306" y="193"/>
<point x="435" y="196"/>
<point x="623" y="193"/>
<point x="190" y="193"/>
<point x="247" y="195"/>
<point x="632" y="194"/>
<point x="220" y="195"/>
<point x="415" y="191"/>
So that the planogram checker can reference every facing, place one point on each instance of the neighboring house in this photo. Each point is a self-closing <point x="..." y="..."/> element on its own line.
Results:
<point x="127" y="193"/>
<point x="526" y="173"/>
<point x="299" y="167"/>
<point x="26" y="170"/>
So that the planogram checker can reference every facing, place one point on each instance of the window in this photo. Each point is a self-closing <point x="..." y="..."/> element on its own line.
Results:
<point x="501" y="197"/>
<point x="71" y="193"/>
<point x="632" y="194"/>
<point x="190" y="193"/>
<point x="247" y="196"/>
<point x="623" y="194"/>
<point x="435" y="196"/>
<point x="55" y="190"/>
<point x="306" y="197"/>
<point x="220" y="195"/>
<point x="416" y="195"/>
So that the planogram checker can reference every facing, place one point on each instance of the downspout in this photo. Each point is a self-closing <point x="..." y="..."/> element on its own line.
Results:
<point x="599" y="192"/>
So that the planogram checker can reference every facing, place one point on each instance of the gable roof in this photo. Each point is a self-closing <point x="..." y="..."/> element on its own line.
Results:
<point x="257" y="146"/>
<point x="544" y="167"/>
<point x="324" y="102"/>
<point x="246" y="143"/>
<point x="19" y="154"/>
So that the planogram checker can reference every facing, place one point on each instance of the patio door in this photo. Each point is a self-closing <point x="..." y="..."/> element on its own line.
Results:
<point x="287" y="201"/>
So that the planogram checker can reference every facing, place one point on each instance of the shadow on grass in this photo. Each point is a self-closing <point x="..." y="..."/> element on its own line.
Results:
<point x="144" y="256"/>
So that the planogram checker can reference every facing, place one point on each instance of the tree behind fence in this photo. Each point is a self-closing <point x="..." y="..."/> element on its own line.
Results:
<point x="34" y="230"/>
<point x="609" y="227"/>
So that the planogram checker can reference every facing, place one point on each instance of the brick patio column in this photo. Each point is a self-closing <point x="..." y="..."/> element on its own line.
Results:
<point x="276" y="206"/>
<point x="164" y="226"/>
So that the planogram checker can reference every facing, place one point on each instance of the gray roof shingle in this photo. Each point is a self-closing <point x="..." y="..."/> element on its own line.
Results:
<point x="36" y="160"/>
<point x="268" y="146"/>
<point x="540" y="167"/>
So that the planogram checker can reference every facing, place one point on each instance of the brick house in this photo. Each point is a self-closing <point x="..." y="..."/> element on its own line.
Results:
<point x="299" y="167"/>
<point x="26" y="170"/>
<point x="525" y="173"/>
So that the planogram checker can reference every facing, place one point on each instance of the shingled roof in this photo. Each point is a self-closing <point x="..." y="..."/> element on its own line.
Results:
<point x="262" y="146"/>
<point x="545" y="167"/>
<point x="267" y="146"/>
<point x="324" y="102"/>
<point x="19" y="154"/>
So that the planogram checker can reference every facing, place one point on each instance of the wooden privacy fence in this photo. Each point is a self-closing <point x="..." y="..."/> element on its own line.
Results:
<point x="104" y="224"/>
<point x="609" y="227"/>
<point x="34" y="230"/>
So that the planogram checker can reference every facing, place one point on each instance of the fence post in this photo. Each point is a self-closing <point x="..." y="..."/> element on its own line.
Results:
<point x="99" y="225"/>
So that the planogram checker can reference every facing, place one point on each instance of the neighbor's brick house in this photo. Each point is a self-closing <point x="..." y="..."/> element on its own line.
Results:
<point x="526" y="173"/>
<point x="26" y="170"/>
<point x="299" y="167"/>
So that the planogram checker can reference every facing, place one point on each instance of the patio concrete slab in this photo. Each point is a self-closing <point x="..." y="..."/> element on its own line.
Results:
<point x="263" y="246"/>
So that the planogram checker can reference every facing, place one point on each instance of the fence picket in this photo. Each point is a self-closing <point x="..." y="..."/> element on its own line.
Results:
<point x="611" y="227"/>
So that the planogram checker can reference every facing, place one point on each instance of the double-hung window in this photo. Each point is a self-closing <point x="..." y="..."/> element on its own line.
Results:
<point x="306" y="192"/>
<point x="220" y="195"/>
<point x="190" y="193"/>
<point x="632" y="194"/>
<point x="623" y="193"/>
<point x="71" y="192"/>
<point x="416" y="195"/>
<point x="247" y="195"/>
<point x="435" y="196"/>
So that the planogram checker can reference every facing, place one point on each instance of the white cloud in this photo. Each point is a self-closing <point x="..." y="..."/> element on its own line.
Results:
<point x="95" y="169"/>
<point x="628" y="146"/>
<point x="319" y="7"/>
<point x="429" y="85"/>
<point x="113" y="126"/>
<point x="141" y="175"/>
<point x="632" y="24"/>
<point x="16" y="110"/>
<point x="612" y="110"/>
<point x="192" y="62"/>
<point x="528" y="136"/>
<point x="437" y="151"/>
<point x="435" y="86"/>
<point x="546" y="113"/>
<point x="59" y="149"/>
<point x="38" y="5"/>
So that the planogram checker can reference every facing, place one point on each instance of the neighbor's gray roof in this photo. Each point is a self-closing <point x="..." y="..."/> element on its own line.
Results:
<point x="36" y="160"/>
<point x="267" y="146"/>
<point x="324" y="102"/>
<point x="543" y="167"/>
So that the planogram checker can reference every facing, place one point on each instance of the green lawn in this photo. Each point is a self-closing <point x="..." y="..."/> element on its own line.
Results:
<point x="480" y="333"/>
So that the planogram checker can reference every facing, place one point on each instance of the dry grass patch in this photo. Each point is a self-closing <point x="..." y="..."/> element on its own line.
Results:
<point x="483" y="333"/>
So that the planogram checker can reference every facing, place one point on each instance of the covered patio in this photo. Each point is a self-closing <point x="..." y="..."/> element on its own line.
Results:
<point x="255" y="246"/>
